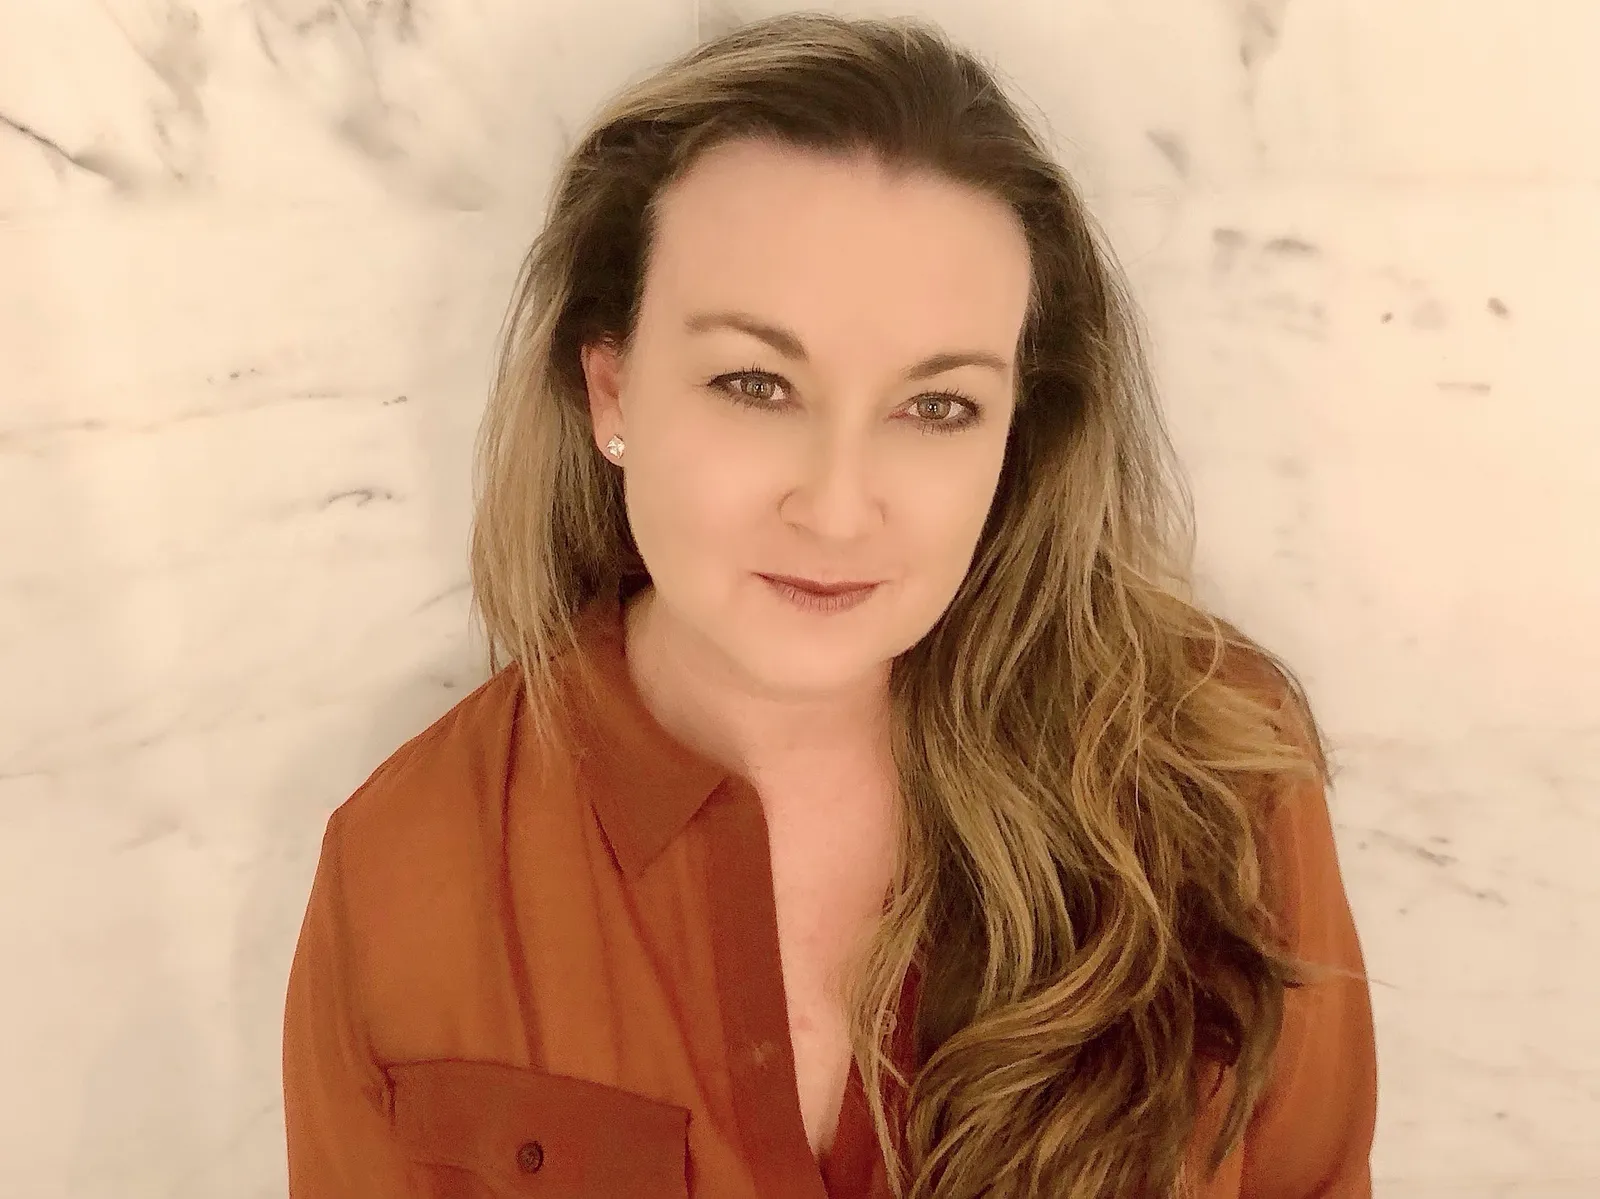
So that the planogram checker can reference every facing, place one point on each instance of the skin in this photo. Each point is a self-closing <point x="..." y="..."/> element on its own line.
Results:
<point x="846" y="464"/>
<point x="843" y="471"/>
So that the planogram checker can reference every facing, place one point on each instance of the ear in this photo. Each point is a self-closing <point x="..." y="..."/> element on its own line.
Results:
<point x="602" y="376"/>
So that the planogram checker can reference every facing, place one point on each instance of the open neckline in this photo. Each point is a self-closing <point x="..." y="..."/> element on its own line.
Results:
<point x="750" y="984"/>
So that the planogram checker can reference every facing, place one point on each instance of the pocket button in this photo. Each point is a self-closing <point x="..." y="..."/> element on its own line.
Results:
<point x="530" y="1157"/>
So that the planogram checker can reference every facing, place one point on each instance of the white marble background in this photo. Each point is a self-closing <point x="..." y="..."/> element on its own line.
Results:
<point x="253" y="255"/>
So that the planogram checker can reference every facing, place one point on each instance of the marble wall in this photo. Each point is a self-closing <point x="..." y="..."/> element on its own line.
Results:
<point x="253" y="256"/>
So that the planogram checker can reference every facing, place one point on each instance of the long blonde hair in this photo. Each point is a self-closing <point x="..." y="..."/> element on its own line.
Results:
<point x="1084" y="753"/>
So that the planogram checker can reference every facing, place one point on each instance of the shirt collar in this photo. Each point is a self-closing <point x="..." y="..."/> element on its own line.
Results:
<point x="644" y="784"/>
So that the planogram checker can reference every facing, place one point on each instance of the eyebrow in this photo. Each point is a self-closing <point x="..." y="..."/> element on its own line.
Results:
<point x="788" y="343"/>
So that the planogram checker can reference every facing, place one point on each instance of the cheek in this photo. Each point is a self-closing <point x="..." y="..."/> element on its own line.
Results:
<point x="939" y="521"/>
<point x="692" y="498"/>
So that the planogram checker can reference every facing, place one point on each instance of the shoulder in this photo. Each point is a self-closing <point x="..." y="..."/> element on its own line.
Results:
<point x="1286" y="783"/>
<point x="435" y="809"/>
<point x="413" y="862"/>
<point x="422" y="779"/>
<point x="1276" y="698"/>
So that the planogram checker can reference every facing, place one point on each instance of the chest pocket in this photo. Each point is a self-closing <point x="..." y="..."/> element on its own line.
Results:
<point x="475" y="1130"/>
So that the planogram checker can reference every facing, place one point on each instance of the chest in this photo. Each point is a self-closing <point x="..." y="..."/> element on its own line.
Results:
<point x="829" y="887"/>
<point x="818" y="1032"/>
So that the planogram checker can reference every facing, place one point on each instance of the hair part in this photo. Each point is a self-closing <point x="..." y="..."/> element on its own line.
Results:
<point x="1086" y="756"/>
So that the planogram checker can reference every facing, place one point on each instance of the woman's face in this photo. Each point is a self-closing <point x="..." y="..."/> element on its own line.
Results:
<point x="821" y="386"/>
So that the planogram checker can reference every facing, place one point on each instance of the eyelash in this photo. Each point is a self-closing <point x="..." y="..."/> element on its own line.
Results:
<point x="974" y="409"/>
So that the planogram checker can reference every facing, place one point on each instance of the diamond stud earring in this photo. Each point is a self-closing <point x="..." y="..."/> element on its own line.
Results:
<point x="614" y="447"/>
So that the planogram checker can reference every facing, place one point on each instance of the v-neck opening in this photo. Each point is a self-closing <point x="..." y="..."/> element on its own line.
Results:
<point x="848" y="1165"/>
<point x="750" y="984"/>
<point x="769" y="1121"/>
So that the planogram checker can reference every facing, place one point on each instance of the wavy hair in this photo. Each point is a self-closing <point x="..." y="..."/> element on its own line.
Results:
<point x="1085" y="754"/>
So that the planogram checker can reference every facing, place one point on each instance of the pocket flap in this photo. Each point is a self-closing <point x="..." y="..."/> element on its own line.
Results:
<point x="530" y="1132"/>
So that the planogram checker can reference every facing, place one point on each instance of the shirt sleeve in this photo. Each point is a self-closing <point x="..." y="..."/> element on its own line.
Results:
<point x="1311" y="1136"/>
<point x="339" y="1139"/>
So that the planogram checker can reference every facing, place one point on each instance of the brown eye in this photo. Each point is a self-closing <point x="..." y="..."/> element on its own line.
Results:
<point x="757" y="387"/>
<point x="944" y="412"/>
<point x="754" y="388"/>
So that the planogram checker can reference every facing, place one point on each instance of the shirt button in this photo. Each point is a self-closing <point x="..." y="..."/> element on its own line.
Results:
<point x="530" y="1157"/>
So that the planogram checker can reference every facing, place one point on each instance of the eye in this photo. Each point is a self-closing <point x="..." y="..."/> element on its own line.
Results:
<point x="936" y="412"/>
<point x="933" y="412"/>
<point x="755" y="388"/>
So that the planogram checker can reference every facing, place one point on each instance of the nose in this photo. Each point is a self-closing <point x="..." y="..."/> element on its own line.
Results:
<point x="836" y="496"/>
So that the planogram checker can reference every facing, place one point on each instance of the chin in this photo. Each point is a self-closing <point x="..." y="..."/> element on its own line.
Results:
<point x="799" y="668"/>
<point x="785" y="662"/>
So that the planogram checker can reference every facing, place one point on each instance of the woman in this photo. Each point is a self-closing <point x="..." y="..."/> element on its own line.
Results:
<point x="863" y="809"/>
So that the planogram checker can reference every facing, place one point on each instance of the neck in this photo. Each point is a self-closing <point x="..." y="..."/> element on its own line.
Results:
<point x="703" y="701"/>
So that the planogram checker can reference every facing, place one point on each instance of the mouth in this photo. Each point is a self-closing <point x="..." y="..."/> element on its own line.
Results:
<point x="810" y="595"/>
<point x="813" y="587"/>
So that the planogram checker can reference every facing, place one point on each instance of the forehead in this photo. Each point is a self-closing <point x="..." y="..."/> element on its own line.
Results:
<point x="831" y="244"/>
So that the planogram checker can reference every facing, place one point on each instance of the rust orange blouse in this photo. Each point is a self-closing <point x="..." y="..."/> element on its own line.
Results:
<point x="521" y="976"/>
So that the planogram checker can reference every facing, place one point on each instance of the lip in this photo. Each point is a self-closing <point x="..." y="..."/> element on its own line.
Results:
<point x="819" y="599"/>
<point x="816" y="588"/>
